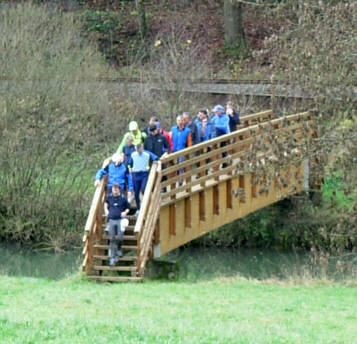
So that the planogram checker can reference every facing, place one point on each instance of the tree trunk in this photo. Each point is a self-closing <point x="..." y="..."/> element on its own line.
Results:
<point x="233" y="24"/>
<point x="140" y="9"/>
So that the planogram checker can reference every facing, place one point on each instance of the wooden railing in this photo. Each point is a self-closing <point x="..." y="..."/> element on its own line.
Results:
<point x="93" y="227"/>
<point x="256" y="118"/>
<point x="148" y="215"/>
<point x="203" y="161"/>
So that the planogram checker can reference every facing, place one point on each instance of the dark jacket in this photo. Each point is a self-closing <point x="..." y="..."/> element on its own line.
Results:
<point x="116" y="205"/>
<point x="234" y="121"/>
<point x="194" y="132"/>
<point x="127" y="150"/>
<point x="157" y="144"/>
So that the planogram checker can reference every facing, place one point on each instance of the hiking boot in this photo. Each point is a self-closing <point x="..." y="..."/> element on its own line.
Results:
<point x="119" y="254"/>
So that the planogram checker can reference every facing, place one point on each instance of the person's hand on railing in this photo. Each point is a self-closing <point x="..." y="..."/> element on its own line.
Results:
<point x="165" y="155"/>
<point x="96" y="183"/>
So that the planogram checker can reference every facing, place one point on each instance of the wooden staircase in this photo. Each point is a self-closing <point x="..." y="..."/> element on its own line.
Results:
<point x="126" y="267"/>
<point x="211" y="187"/>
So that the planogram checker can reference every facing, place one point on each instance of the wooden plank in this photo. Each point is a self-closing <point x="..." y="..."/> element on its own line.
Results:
<point x="202" y="206"/>
<point x="98" y="227"/>
<point x="198" y="181"/>
<point x="229" y="200"/>
<point x="124" y="247"/>
<point x="215" y="195"/>
<point x="122" y="259"/>
<point x="94" y="206"/>
<point x="214" y="165"/>
<point x="114" y="268"/>
<point x="213" y="154"/>
<point x="172" y="219"/>
<point x="145" y="202"/>
<point x="157" y="232"/>
<point x="242" y="191"/>
<point x="253" y="187"/>
<point x="116" y="279"/>
<point x="188" y="212"/>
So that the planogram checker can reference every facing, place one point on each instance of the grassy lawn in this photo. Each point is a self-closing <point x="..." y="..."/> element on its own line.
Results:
<point x="218" y="311"/>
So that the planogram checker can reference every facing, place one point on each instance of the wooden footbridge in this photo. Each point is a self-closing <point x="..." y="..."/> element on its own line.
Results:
<point x="219" y="181"/>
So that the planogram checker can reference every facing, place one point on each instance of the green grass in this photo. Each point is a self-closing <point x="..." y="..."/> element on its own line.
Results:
<point x="217" y="311"/>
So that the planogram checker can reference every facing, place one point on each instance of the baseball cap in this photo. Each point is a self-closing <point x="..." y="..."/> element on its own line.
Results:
<point x="133" y="125"/>
<point x="218" y="108"/>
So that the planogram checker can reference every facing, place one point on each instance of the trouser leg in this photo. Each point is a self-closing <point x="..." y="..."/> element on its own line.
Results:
<point x="112" y="231"/>
<point x="144" y="180"/>
<point x="120" y="235"/>
<point x="137" y="185"/>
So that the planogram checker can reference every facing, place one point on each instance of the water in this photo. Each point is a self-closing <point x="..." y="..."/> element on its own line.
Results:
<point x="204" y="264"/>
<point x="195" y="264"/>
<point x="15" y="261"/>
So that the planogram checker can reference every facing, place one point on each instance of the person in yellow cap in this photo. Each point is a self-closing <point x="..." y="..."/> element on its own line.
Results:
<point x="137" y="135"/>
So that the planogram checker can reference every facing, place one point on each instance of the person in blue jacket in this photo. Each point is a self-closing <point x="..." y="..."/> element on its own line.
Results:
<point x="139" y="167"/>
<point x="204" y="126"/>
<point x="220" y="120"/>
<point x="117" y="173"/>
<point x="180" y="135"/>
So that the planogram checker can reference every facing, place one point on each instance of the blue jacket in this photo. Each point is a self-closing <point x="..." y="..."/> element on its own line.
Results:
<point x="141" y="162"/>
<point x="179" y="138"/>
<point x="221" y="124"/>
<point x="209" y="131"/>
<point x="233" y="121"/>
<point x="117" y="174"/>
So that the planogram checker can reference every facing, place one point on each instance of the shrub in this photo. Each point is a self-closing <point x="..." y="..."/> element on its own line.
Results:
<point x="51" y="120"/>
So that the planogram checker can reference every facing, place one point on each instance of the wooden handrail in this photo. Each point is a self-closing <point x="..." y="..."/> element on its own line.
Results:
<point x="145" y="202"/>
<point x="98" y="194"/>
<point x="267" y="115"/>
<point x="234" y="135"/>
<point x="91" y="225"/>
<point x="148" y="215"/>
<point x="233" y="141"/>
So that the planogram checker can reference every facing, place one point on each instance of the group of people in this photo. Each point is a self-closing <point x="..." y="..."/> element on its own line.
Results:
<point x="130" y="165"/>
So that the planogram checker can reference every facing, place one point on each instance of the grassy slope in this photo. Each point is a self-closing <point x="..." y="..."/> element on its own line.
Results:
<point x="220" y="311"/>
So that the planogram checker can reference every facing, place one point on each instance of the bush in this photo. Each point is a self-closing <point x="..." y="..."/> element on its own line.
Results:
<point x="51" y="120"/>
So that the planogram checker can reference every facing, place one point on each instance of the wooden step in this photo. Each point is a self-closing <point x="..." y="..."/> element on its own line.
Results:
<point x="114" y="268"/>
<point x="116" y="278"/>
<point x="130" y="228"/>
<point x="125" y="237"/>
<point x="124" y="247"/>
<point x="122" y="259"/>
